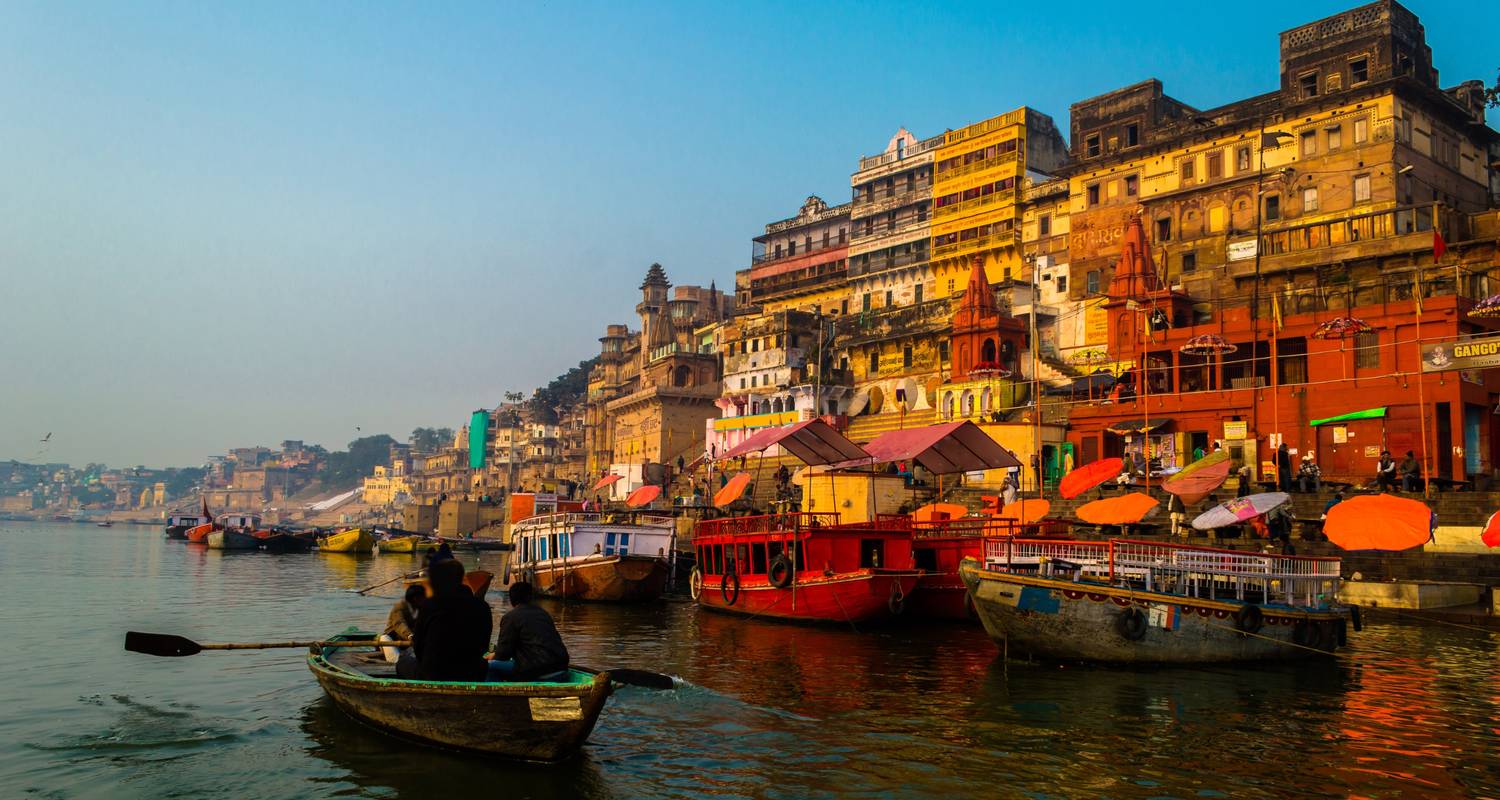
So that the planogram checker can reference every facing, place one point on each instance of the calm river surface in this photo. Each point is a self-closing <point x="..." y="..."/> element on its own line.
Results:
<point x="769" y="710"/>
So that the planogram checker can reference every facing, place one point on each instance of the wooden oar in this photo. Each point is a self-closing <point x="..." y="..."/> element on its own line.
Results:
<point x="637" y="677"/>
<point x="165" y="644"/>
<point x="389" y="582"/>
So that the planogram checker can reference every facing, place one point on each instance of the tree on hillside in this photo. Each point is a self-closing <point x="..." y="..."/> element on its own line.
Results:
<point x="344" y="468"/>
<point x="1492" y="94"/>
<point x="564" y="390"/>
<point x="428" y="440"/>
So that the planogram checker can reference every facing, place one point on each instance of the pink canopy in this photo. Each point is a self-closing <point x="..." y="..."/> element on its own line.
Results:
<point x="813" y="441"/>
<point x="942" y="449"/>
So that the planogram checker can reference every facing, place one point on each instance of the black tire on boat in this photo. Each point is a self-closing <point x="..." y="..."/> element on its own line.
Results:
<point x="897" y="600"/>
<point x="730" y="579"/>
<point x="1308" y="634"/>
<point x="779" y="574"/>
<point x="1249" y="619"/>
<point x="695" y="583"/>
<point x="1131" y="624"/>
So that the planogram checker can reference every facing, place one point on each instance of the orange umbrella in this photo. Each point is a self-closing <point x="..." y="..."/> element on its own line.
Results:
<point x="1199" y="478"/>
<point x="1090" y="475"/>
<point x="933" y="512"/>
<point x="1124" y="510"/>
<point x="643" y="496"/>
<point x="732" y="490"/>
<point x="1491" y="534"/>
<point x="1026" y="512"/>
<point x="1379" y="522"/>
<point x="605" y="481"/>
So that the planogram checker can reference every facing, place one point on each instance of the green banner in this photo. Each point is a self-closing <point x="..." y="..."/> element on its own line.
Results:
<point x="479" y="430"/>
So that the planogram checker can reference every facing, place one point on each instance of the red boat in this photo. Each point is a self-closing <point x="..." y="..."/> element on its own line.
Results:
<point x="200" y="533"/>
<point x="803" y="566"/>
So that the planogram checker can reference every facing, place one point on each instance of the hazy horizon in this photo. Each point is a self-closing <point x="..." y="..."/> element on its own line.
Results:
<point x="229" y="226"/>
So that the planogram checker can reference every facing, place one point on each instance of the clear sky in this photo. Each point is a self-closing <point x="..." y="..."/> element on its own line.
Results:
<point x="231" y="224"/>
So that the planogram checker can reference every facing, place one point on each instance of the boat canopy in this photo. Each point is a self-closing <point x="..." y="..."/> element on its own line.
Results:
<point x="941" y="449"/>
<point x="1128" y="426"/>
<point x="813" y="441"/>
<point x="1369" y="413"/>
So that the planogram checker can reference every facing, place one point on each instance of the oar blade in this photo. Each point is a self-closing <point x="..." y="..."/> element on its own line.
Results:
<point x="160" y="644"/>
<point x="642" y="678"/>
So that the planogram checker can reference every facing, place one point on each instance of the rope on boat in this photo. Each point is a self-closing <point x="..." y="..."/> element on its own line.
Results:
<point x="845" y="610"/>
<point x="1268" y="638"/>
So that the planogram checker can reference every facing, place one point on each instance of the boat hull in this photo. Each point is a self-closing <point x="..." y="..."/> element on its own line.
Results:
<point x="868" y="595"/>
<point x="614" y="579"/>
<point x="178" y="532"/>
<point x="355" y="541"/>
<point x="231" y="540"/>
<point x="286" y="543"/>
<point x="1066" y="620"/>
<point x="523" y="721"/>
<point x="199" y="534"/>
<point x="399" y="544"/>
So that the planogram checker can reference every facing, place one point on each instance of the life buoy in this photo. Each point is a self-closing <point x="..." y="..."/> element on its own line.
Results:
<point x="896" y="602"/>
<point x="730" y="579"/>
<point x="779" y="574"/>
<point x="695" y="583"/>
<point x="1249" y="619"/>
<point x="1131" y="624"/>
<point x="1308" y="634"/>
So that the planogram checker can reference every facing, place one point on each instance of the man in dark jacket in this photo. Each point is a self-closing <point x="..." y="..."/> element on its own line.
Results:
<point x="528" y="646"/>
<point x="453" y="627"/>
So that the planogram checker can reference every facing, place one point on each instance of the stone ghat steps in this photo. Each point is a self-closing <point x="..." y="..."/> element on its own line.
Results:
<point x="863" y="429"/>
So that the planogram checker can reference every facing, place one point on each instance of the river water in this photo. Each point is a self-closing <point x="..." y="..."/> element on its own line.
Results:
<point x="767" y="710"/>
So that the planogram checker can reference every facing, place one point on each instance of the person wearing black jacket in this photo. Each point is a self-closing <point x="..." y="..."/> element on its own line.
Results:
<point x="528" y="646"/>
<point x="453" y="628"/>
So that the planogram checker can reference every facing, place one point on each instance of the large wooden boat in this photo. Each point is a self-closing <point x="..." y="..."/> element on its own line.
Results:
<point x="282" y="541"/>
<point x="525" y="721"/>
<point x="939" y="546"/>
<point x="232" y="540"/>
<point x="803" y="566"/>
<point x="1146" y="602"/>
<point x="354" y="540"/>
<point x="618" y="558"/>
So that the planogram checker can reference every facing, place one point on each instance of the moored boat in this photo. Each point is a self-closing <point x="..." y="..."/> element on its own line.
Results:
<point x="525" y="721"/>
<point x="282" y="541"/>
<point x="198" y="534"/>
<point x="939" y="546"/>
<point x="178" y="525"/>
<point x="232" y="540"/>
<point x="400" y="544"/>
<point x="354" y="540"/>
<point x="803" y="566"/>
<point x="599" y="557"/>
<point x="1127" y="601"/>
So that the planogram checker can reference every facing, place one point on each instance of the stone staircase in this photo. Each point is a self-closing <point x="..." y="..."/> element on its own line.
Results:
<point x="863" y="429"/>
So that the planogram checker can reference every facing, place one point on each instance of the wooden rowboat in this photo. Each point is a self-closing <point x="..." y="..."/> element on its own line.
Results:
<point x="281" y="542"/>
<point x="400" y="544"/>
<point x="232" y="540"/>
<point x="355" y="540"/>
<point x="525" y="721"/>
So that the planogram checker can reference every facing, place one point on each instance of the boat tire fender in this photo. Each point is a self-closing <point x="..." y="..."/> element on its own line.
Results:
<point x="896" y="602"/>
<point x="695" y="583"/>
<point x="779" y="574"/>
<point x="1131" y="624"/>
<point x="729" y="588"/>
<point x="1249" y="619"/>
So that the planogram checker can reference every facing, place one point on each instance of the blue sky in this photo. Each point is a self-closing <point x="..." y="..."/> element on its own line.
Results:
<point x="226" y="225"/>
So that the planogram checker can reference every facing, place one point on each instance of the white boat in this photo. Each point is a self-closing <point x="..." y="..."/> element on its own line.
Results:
<point x="623" y="557"/>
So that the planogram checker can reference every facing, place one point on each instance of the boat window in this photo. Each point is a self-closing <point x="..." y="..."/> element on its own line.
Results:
<point x="624" y="544"/>
<point x="774" y="549"/>
<point x="870" y="551"/>
<point x="742" y="557"/>
<point x="541" y="548"/>
<point x="798" y="556"/>
<point x="758" y="552"/>
<point x="925" y="558"/>
<point x="616" y="544"/>
<point x="718" y="565"/>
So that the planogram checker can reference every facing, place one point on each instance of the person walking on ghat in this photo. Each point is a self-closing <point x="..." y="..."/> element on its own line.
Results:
<point x="1284" y="468"/>
<point x="1177" y="512"/>
<point x="1244" y="474"/>
<point x="1385" y="472"/>
<point x="1008" y="489"/>
<point x="528" y="646"/>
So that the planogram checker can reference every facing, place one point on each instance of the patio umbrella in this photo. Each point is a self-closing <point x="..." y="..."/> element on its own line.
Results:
<point x="1488" y="307"/>
<point x="1240" y="509"/>
<point x="605" y="481"/>
<point x="1197" y="479"/>
<point x="1090" y="475"/>
<point x="732" y="490"/>
<point x="1123" y="510"/>
<point x="1341" y="328"/>
<point x="643" y="496"/>
<point x="1208" y="344"/>
<point x="1491" y="534"/>
<point x="1379" y="522"/>
<point x="1027" y="512"/>
<point x="934" y="512"/>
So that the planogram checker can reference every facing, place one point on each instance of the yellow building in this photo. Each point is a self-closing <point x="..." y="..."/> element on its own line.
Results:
<point x="978" y="177"/>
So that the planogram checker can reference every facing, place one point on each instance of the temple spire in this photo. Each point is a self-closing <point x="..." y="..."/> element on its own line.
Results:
<point x="1135" y="275"/>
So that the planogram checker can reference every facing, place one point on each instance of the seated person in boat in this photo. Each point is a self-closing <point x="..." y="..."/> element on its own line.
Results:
<point x="398" y="628"/>
<point x="529" y="646"/>
<point x="453" y="628"/>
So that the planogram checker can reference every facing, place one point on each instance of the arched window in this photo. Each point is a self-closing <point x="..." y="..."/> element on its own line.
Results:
<point x="967" y="404"/>
<point x="776" y="406"/>
<point x="986" y="400"/>
<point x="948" y="405"/>
<point x="682" y="376"/>
<point x="987" y="352"/>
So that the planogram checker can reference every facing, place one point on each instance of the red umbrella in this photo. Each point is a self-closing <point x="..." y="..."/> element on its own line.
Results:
<point x="605" y="481"/>
<point x="643" y="496"/>
<point x="1379" y="522"/>
<point x="1341" y="328"/>
<point x="1491" y="534"/>
<point x="732" y="490"/>
<point x="1090" y="475"/>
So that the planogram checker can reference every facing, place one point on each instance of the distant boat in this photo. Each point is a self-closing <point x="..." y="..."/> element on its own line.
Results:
<point x="232" y="540"/>
<point x="354" y="540"/>
<point x="104" y="523"/>
<point x="400" y="544"/>
<point x="280" y="541"/>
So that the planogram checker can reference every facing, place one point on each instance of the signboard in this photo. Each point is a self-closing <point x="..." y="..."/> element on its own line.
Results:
<point x="1478" y="353"/>
<point x="1236" y="430"/>
<point x="1098" y="232"/>
<point x="1242" y="250"/>
<point x="1340" y="434"/>
<point x="1095" y="322"/>
<point x="1372" y="451"/>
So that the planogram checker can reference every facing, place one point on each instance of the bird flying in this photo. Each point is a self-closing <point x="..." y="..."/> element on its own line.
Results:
<point x="48" y="437"/>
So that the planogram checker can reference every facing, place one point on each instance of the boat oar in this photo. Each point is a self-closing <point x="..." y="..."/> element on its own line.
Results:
<point x="165" y="644"/>
<point x="638" y="677"/>
<point x="389" y="582"/>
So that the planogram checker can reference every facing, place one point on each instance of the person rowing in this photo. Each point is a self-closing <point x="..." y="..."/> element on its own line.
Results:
<point x="528" y="647"/>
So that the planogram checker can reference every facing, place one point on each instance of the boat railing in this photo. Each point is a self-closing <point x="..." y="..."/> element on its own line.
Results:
<point x="1186" y="570"/>
<point x="790" y="522"/>
<point x="972" y="526"/>
<point x="551" y="523"/>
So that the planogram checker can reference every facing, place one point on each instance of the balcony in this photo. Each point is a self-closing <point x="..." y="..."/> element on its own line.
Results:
<point x="973" y="204"/>
<point x="770" y="256"/>
<point x="885" y="261"/>
<point x="1366" y="235"/>
<point x="924" y="146"/>
<point x="1005" y="239"/>
<point x="888" y="323"/>
<point x="878" y="205"/>
<point x="973" y="167"/>
<point x="907" y="230"/>
<point x="771" y="288"/>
